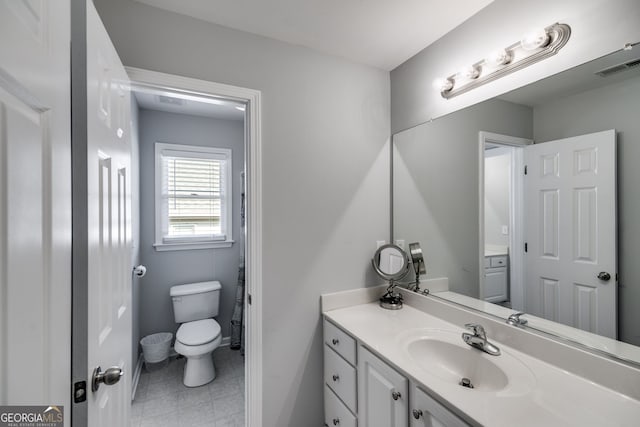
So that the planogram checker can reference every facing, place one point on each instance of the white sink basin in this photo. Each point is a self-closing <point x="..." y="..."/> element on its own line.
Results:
<point x="448" y="359"/>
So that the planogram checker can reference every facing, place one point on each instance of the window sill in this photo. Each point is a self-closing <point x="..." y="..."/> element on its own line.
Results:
<point x="182" y="246"/>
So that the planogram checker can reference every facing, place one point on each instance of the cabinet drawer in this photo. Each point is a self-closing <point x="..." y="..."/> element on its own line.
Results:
<point x="487" y="262"/>
<point x="341" y="377"/>
<point x="498" y="261"/>
<point x="340" y="342"/>
<point x="335" y="413"/>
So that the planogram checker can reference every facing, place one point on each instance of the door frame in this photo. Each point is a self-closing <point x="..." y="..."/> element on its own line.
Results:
<point x="516" y="213"/>
<point x="253" y="182"/>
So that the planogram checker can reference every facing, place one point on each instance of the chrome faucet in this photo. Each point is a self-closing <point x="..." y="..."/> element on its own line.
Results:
<point x="479" y="339"/>
<point x="515" y="319"/>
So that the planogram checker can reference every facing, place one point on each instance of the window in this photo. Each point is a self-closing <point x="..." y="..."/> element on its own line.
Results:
<point x="193" y="197"/>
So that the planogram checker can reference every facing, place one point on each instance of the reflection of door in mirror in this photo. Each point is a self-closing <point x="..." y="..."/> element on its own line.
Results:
<point x="570" y="205"/>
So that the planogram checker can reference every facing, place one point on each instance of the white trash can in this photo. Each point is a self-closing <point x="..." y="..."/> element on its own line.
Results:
<point x="155" y="349"/>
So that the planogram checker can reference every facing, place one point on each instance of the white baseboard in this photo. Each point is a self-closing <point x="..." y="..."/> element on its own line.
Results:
<point x="136" y="376"/>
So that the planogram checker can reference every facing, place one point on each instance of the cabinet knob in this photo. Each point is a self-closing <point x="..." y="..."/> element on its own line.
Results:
<point x="396" y="395"/>
<point x="336" y="421"/>
<point x="335" y="341"/>
<point x="336" y="377"/>
<point x="417" y="413"/>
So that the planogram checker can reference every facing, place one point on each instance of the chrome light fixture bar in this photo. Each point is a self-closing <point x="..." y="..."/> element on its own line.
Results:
<point x="533" y="47"/>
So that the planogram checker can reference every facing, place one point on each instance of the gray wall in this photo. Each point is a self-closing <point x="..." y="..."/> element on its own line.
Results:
<point x="598" y="28"/>
<point x="617" y="107"/>
<point x="435" y="173"/>
<point x="325" y="177"/>
<point x="168" y="268"/>
<point x="135" y="231"/>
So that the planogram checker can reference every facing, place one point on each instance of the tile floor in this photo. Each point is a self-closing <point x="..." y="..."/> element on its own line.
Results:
<point x="163" y="401"/>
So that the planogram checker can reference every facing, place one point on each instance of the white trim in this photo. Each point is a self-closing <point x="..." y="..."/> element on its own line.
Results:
<point x="253" y="154"/>
<point x="136" y="376"/>
<point x="516" y="214"/>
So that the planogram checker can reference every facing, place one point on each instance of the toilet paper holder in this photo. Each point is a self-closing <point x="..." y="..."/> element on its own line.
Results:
<point x="140" y="270"/>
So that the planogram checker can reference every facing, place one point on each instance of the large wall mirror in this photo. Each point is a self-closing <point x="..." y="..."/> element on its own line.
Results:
<point x="531" y="202"/>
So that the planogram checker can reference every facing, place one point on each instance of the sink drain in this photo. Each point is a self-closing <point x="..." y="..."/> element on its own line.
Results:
<point x="466" y="382"/>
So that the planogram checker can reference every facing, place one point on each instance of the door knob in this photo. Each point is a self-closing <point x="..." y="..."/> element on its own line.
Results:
<point x="109" y="377"/>
<point x="396" y="395"/>
<point x="604" y="276"/>
<point x="417" y="413"/>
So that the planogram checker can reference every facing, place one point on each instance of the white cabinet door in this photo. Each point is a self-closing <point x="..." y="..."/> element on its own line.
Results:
<point x="382" y="393"/>
<point x="571" y="232"/>
<point x="426" y="412"/>
<point x="495" y="284"/>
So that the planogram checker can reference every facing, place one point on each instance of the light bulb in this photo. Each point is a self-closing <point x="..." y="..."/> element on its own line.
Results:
<point x="443" y="85"/>
<point x="471" y="72"/>
<point x="535" y="39"/>
<point x="498" y="58"/>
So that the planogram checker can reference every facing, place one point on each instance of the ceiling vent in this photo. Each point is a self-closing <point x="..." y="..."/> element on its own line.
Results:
<point x="169" y="100"/>
<point x="619" y="68"/>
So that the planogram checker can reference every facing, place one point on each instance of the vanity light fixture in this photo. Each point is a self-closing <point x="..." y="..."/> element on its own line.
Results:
<point x="533" y="47"/>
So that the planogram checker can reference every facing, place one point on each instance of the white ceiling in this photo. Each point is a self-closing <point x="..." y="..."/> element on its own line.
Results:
<point x="380" y="33"/>
<point x="190" y="105"/>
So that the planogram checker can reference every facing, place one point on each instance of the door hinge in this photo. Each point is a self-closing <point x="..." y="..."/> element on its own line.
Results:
<point x="79" y="392"/>
<point x="525" y="169"/>
<point x="249" y="299"/>
<point x="526" y="247"/>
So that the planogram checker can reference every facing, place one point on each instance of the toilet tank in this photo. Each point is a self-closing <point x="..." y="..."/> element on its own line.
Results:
<point x="195" y="301"/>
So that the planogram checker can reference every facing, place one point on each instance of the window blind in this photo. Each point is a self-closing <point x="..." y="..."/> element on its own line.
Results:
<point x="193" y="192"/>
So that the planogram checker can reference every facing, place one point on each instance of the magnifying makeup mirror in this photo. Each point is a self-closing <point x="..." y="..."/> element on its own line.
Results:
<point x="391" y="263"/>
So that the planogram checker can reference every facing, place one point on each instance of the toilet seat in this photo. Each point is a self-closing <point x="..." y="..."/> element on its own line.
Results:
<point x="198" y="332"/>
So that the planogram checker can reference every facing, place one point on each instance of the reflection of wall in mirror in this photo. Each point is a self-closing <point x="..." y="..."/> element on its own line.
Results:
<point x="497" y="167"/>
<point x="391" y="261"/>
<point x="436" y="187"/>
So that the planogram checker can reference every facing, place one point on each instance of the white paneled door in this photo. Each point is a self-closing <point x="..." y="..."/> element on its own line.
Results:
<point x="35" y="203"/>
<point x="571" y="232"/>
<point x="109" y="226"/>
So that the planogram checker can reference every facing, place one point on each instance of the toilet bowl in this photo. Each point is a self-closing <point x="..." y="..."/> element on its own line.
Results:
<point x="194" y="305"/>
<point x="196" y="341"/>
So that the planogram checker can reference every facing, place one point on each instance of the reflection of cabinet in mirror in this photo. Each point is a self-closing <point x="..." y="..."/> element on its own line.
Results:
<point x="496" y="279"/>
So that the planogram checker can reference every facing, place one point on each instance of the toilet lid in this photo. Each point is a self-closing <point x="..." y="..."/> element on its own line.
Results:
<point x="198" y="332"/>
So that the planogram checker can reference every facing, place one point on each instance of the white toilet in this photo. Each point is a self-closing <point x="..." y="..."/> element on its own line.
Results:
<point x="194" y="305"/>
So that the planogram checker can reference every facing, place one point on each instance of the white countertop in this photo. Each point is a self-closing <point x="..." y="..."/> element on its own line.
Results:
<point x="496" y="250"/>
<point x="557" y="398"/>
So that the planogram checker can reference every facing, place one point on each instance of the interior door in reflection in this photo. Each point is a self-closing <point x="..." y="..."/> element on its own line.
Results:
<point x="570" y="209"/>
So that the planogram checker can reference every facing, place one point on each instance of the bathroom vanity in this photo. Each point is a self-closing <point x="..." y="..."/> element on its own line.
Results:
<point x="496" y="277"/>
<point x="410" y="367"/>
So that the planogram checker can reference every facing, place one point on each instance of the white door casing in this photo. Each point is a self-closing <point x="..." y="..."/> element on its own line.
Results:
<point x="516" y="213"/>
<point x="253" y="165"/>
<point x="35" y="203"/>
<point x="571" y="232"/>
<point x="109" y="225"/>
